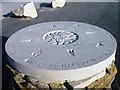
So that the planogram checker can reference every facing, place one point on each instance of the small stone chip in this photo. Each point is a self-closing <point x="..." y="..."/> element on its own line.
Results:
<point x="58" y="3"/>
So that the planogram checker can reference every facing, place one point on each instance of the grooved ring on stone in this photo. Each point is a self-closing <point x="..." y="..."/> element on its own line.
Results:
<point x="60" y="37"/>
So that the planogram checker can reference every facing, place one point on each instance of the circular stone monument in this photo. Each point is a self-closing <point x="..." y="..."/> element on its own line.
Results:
<point x="61" y="50"/>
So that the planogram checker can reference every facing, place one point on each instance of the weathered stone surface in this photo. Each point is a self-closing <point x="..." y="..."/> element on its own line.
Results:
<point x="27" y="10"/>
<point x="58" y="3"/>
<point x="35" y="53"/>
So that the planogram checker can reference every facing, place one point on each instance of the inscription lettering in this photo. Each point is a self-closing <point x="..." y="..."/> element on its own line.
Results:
<point x="87" y="61"/>
<point x="67" y="65"/>
<point x="76" y="25"/>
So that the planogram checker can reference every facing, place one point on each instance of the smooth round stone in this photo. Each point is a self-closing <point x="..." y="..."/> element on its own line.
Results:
<point x="61" y="50"/>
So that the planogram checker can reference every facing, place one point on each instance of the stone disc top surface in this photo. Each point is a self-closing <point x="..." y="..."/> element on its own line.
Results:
<point x="60" y="45"/>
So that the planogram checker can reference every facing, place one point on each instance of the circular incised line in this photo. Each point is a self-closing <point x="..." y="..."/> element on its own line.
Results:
<point x="60" y="37"/>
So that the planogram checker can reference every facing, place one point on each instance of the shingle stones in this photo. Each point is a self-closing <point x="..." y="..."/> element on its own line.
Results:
<point x="27" y="10"/>
<point x="58" y="3"/>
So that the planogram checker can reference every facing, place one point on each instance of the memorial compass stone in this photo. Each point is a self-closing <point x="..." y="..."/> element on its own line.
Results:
<point x="61" y="50"/>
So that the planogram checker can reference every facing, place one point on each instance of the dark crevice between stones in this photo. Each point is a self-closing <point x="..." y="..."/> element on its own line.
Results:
<point x="107" y="71"/>
<point x="67" y="85"/>
<point x="50" y="88"/>
<point x="25" y="78"/>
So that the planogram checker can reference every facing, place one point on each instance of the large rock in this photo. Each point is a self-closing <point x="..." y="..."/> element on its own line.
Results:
<point x="58" y="3"/>
<point x="27" y="10"/>
<point x="30" y="10"/>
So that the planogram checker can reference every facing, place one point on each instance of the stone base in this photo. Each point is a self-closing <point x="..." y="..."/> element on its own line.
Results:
<point x="105" y="82"/>
<point x="25" y="82"/>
